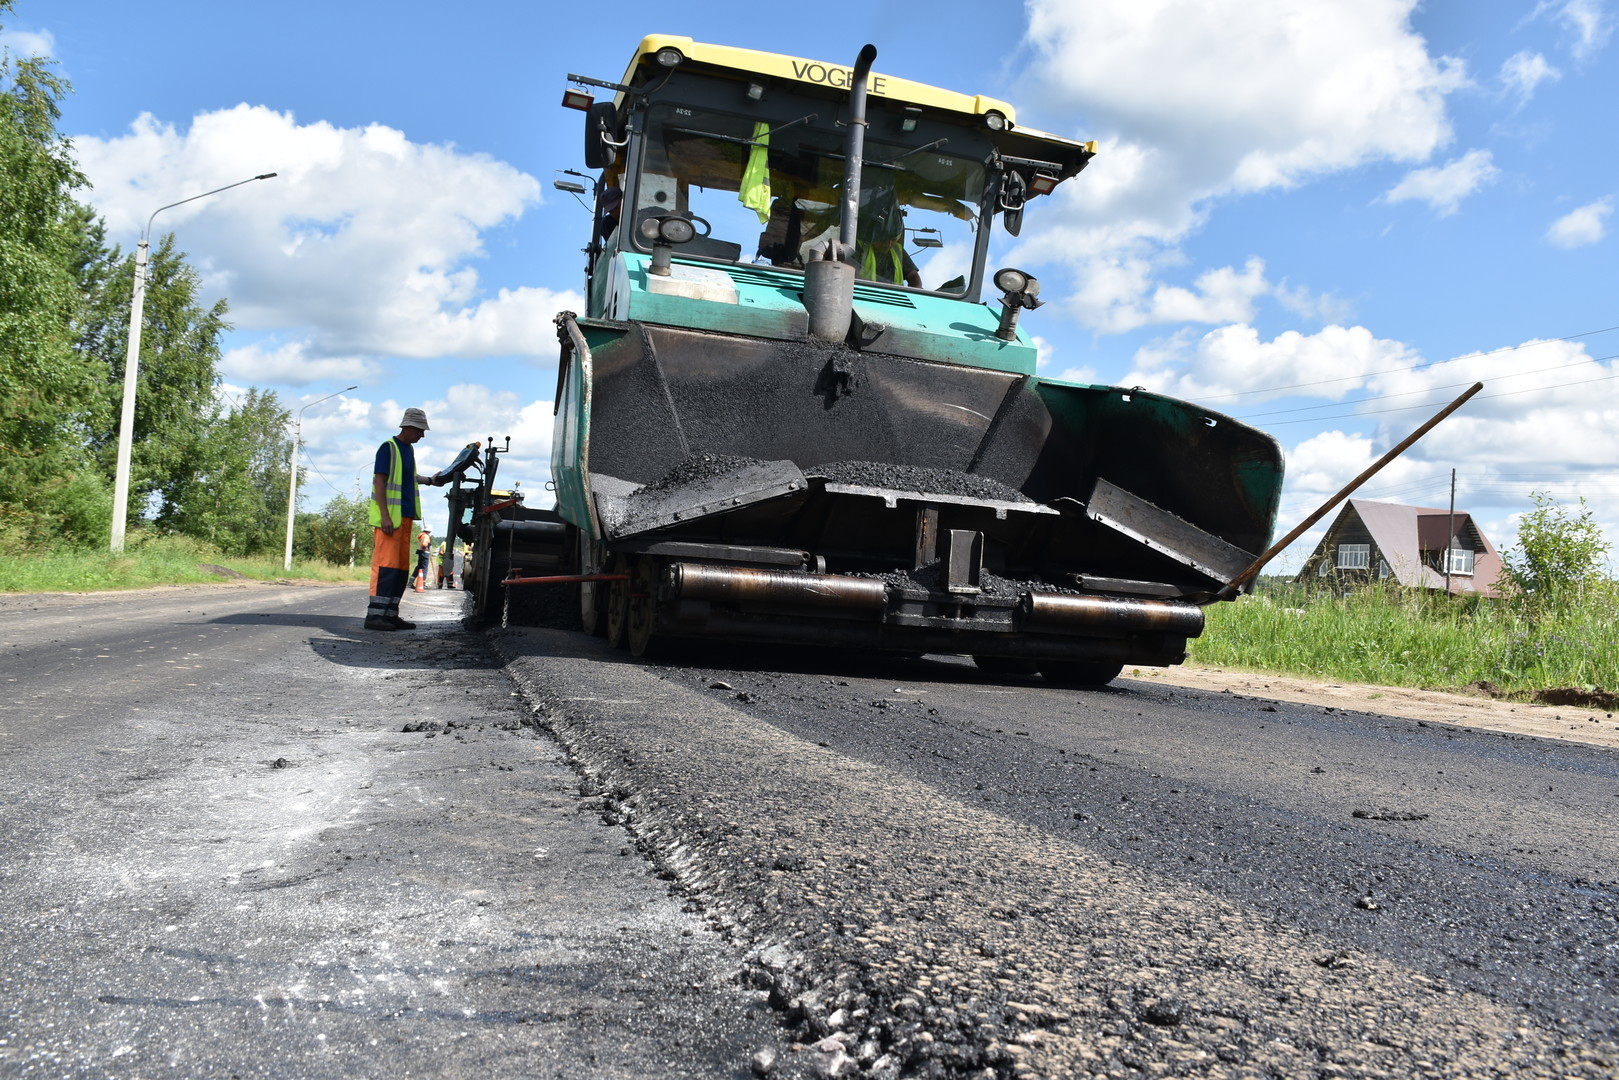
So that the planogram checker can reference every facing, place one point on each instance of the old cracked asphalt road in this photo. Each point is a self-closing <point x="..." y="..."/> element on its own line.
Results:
<point x="220" y="856"/>
<point x="928" y="873"/>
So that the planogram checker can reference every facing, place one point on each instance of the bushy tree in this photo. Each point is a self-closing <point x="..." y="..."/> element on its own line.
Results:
<point x="178" y="371"/>
<point x="327" y="535"/>
<point x="44" y="381"/>
<point x="233" y="490"/>
<point x="213" y="472"/>
<point x="1559" y="555"/>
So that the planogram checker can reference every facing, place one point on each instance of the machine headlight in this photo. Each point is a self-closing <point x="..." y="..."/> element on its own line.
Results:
<point x="669" y="56"/>
<point x="1011" y="281"/>
<point x="676" y="230"/>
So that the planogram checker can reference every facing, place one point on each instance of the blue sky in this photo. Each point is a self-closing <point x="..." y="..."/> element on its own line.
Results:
<point x="1301" y="208"/>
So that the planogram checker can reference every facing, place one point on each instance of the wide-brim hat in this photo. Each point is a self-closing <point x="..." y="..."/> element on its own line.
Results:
<point x="414" y="418"/>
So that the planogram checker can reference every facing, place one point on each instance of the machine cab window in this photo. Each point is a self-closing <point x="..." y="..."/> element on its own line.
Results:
<point x="767" y="188"/>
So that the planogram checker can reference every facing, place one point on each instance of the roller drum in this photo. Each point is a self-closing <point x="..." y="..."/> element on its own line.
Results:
<point x="1055" y="613"/>
<point x="775" y="588"/>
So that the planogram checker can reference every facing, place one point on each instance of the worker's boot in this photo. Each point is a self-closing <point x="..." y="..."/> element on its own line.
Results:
<point x="401" y="624"/>
<point x="379" y="622"/>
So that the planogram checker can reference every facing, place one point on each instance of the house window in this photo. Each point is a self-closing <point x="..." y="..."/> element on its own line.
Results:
<point x="1354" y="556"/>
<point x="1383" y="570"/>
<point x="1461" y="561"/>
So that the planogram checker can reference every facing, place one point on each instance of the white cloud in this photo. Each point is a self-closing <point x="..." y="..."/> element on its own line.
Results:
<point x="1043" y="352"/>
<point x="1324" y="463"/>
<point x="1194" y="100"/>
<point x="516" y="321"/>
<point x="1540" y="404"/>
<point x="1085" y="376"/>
<point x="1221" y="295"/>
<point x="1584" y="19"/>
<point x="1047" y="360"/>
<point x="1249" y="94"/>
<point x="340" y="440"/>
<point x="1119" y="293"/>
<point x="1444" y="187"/>
<point x="472" y="413"/>
<point x="28" y="42"/>
<point x="362" y="246"/>
<point x="1233" y="360"/>
<point x="292" y="365"/>
<point x="1311" y="305"/>
<point x="1530" y="429"/>
<point x="1523" y="72"/>
<point x="1586" y="225"/>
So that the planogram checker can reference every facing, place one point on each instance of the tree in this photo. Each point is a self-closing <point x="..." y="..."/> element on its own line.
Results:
<point x="178" y="371"/>
<point x="44" y="381"/>
<point x="1557" y="556"/>
<point x="233" y="490"/>
<point x="64" y="327"/>
<point x="327" y="535"/>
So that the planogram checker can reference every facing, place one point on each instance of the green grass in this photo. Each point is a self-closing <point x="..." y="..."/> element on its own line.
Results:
<point x="1397" y="637"/>
<point x="153" y="561"/>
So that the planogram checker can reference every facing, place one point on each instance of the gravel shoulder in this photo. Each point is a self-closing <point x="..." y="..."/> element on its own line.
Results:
<point x="1563" y="722"/>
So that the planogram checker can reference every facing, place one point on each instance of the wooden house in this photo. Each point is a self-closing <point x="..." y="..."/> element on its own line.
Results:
<point x="1378" y="541"/>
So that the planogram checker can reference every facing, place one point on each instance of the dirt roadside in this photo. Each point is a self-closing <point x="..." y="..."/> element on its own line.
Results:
<point x="1566" y="722"/>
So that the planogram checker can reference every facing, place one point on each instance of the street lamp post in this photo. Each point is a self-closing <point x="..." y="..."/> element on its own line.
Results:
<point x="126" y="419"/>
<point x="292" y="485"/>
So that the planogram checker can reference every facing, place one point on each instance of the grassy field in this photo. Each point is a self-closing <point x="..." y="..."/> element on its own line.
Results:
<point x="156" y="561"/>
<point x="1397" y="637"/>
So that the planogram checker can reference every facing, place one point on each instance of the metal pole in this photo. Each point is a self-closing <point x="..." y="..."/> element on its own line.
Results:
<point x="292" y="489"/>
<point x="1450" y="530"/>
<point x="126" y="418"/>
<point x="1235" y="584"/>
<point x="292" y="484"/>
<point x="132" y="356"/>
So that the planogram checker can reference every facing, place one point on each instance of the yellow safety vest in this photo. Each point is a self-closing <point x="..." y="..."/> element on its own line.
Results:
<point x="754" y="191"/>
<point x="868" y="265"/>
<point x="393" y="490"/>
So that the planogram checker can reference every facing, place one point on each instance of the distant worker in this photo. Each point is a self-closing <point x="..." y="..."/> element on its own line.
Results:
<point x="441" y="562"/>
<point x="424" y="551"/>
<point x="396" y="505"/>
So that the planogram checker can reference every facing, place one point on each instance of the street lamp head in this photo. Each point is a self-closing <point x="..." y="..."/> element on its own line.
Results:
<point x="264" y="176"/>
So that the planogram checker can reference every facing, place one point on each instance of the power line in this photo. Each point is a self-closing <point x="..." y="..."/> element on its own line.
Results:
<point x="317" y="472"/>
<point x="1431" y="404"/>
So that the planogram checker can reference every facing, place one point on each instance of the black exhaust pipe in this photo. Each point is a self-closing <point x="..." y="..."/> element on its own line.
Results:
<point x="855" y="148"/>
<point x="829" y="278"/>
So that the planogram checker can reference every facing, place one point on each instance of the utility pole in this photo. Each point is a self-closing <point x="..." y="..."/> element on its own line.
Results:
<point x="132" y="359"/>
<point x="352" y="535"/>
<point x="292" y="484"/>
<point x="1450" y="530"/>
